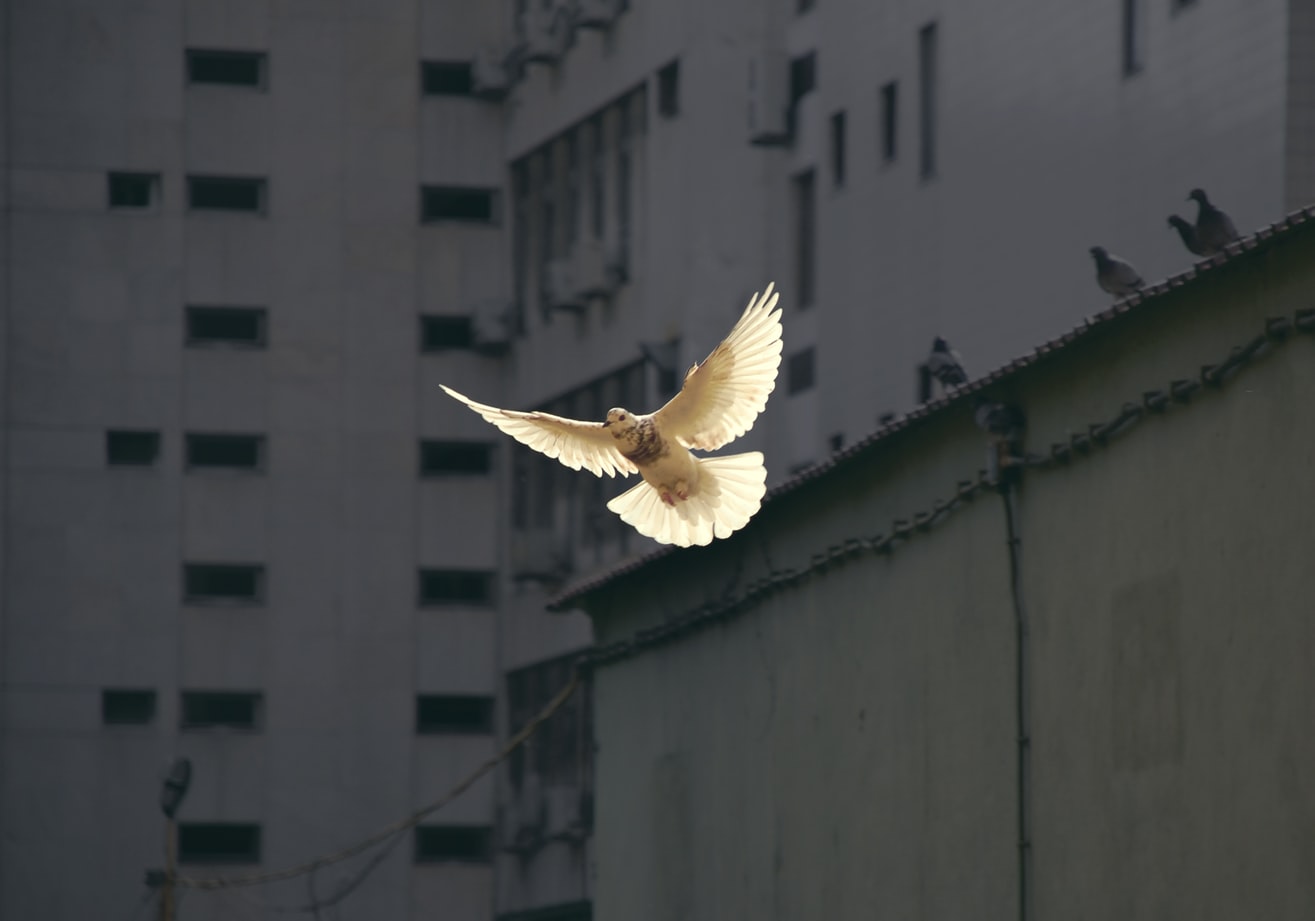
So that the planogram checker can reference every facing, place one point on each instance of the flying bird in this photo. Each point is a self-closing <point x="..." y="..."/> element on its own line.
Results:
<point x="683" y="499"/>
<point x="1214" y="228"/>
<point x="945" y="365"/>
<point x="1187" y="232"/>
<point x="1114" y="275"/>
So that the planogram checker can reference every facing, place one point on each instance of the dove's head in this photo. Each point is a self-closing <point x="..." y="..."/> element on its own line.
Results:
<point x="1100" y="253"/>
<point x="1198" y="196"/>
<point x="620" y="421"/>
<point x="940" y="345"/>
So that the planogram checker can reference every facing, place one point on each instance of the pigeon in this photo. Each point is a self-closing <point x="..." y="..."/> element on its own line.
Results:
<point x="683" y="500"/>
<point x="945" y="365"/>
<point x="1214" y="228"/>
<point x="1187" y="231"/>
<point x="1114" y="275"/>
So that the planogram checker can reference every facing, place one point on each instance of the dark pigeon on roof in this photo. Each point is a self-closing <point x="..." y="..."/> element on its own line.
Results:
<point x="1187" y="232"/>
<point x="1214" y="228"/>
<point x="1114" y="275"/>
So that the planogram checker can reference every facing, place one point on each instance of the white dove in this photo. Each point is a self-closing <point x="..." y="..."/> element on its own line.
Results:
<point x="684" y="499"/>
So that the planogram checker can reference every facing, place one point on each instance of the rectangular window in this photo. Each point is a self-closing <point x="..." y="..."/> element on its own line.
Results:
<point x="889" y="121"/>
<point x="668" y="90"/>
<point x="217" y="709"/>
<point x="226" y="193"/>
<point x="1132" y="37"/>
<point x="838" y="149"/>
<point x="803" y="76"/>
<point x="242" y="583"/>
<point x="456" y="586"/>
<point x="133" y="190"/>
<point x="598" y="178"/>
<point x="127" y="708"/>
<point x="226" y="68"/>
<point x="927" y="68"/>
<point x="447" y="458"/>
<point x="624" y="161"/>
<point x="454" y="714"/>
<point x="573" y="188"/>
<point x="454" y="203"/>
<point x="446" y="78"/>
<point x="131" y="449"/>
<point x="437" y="333"/>
<point x="801" y="372"/>
<point x="805" y="243"/>
<point x="225" y="452"/>
<point x="453" y="844"/>
<point x="238" y="327"/>
<point x="218" y="842"/>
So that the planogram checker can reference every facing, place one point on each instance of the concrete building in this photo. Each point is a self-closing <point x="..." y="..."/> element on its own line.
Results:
<point x="244" y="240"/>
<point x="1087" y="693"/>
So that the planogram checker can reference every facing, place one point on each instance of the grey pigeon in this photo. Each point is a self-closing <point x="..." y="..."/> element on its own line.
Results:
<point x="1214" y="228"/>
<point x="1114" y="275"/>
<point x="945" y="365"/>
<point x="1187" y="231"/>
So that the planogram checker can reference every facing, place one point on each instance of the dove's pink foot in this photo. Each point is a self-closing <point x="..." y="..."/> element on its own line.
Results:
<point x="682" y="493"/>
<point x="666" y="498"/>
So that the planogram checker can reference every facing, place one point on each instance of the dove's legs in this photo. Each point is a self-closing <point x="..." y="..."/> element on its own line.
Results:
<point x="728" y="492"/>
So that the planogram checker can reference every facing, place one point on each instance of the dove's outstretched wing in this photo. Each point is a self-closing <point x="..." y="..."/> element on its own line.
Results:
<point x="578" y="445"/>
<point x="723" y="396"/>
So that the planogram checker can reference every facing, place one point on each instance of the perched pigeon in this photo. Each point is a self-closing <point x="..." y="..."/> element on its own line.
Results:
<point x="1114" y="275"/>
<point x="684" y="499"/>
<point x="945" y="365"/>
<point x="1187" y="231"/>
<point x="1214" y="228"/>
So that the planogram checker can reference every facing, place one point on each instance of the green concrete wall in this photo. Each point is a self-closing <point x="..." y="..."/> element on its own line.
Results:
<point x="845" y="746"/>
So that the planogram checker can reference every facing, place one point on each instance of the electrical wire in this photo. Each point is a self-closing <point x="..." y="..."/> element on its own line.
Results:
<point x="396" y="828"/>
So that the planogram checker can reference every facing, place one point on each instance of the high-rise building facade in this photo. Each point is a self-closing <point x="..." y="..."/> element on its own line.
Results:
<point x="243" y="241"/>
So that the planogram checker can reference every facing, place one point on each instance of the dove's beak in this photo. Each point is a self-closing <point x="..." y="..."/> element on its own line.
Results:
<point x="607" y="423"/>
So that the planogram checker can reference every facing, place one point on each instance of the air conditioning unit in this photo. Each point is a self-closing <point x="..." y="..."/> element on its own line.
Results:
<point x="491" y="73"/>
<point x="595" y="14"/>
<point x="561" y="293"/>
<point x="491" y="326"/>
<point x="538" y="554"/>
<point x="546" y="33"/>
<point x="769" y="98"/>
<point x="589" y="276"/>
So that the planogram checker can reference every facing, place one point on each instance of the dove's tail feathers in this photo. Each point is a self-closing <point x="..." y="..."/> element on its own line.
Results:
<point x="729" y="493"/>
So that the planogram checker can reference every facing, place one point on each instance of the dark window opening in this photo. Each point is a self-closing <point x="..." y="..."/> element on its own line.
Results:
<point x="597" y="179"/>
<point x="573" y="188"/>
<point x="232" y="326"/>
<point x="454" y="714"/>
<point x="132" y="449"/>
<point x="213" y="709"/>
<point x="127" y="708"/>
<point x="803" y="76"/>
<point x="456" y="586"/>
<point x="218" y="842"/>
<point x="232" y="582"/>
<point x="439" y="333"/>
<point x="805" y="223"/>
<point x="453" y="844"/>
<point x="801" y="372"/>
<point x="225" y="193"/>
<point x="451" y="203"/>
<point x="838" y="149"/>
<point x="446" y="78"/>
<point x="624" y="153"/>
<point x="668" y="90"/>
<point x="226" y="452"/>
<point x="227" y="68"/>
<point x="438" y="458"/>
<point x="927" y="66"/>
<point x="889" y="121"/>
<point x="133" y="190"/>
<point x="1132" y="37"/>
